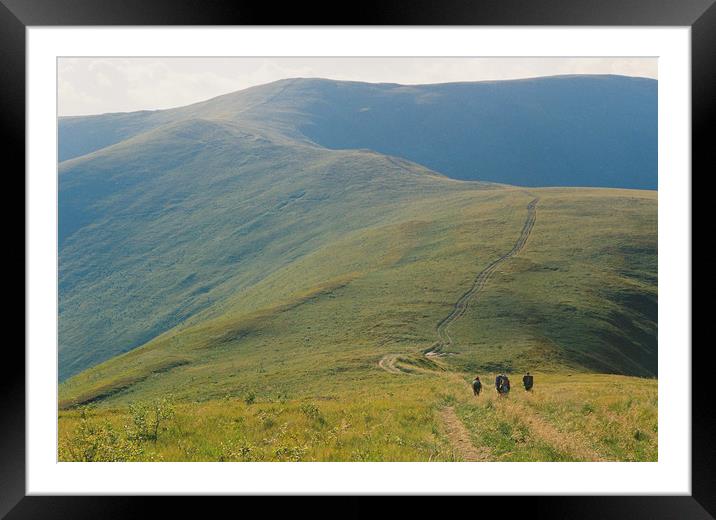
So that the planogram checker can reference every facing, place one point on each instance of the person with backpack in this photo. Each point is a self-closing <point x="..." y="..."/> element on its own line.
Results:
<point x="528" y="381"/>
<point x="476" y="386"/>
<point x="505" y="385"/>
<point x="498" y="383"/>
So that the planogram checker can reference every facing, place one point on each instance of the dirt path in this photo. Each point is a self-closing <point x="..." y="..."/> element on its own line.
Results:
<point x="478" y="285"/>
<point x="387" y="363"/>
<point x="572" y="443"/>
<point x="460" y="438"/>
<point x="444" y="341"/>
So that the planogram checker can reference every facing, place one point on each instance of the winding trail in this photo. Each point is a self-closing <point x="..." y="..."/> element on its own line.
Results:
<point x="389" y="361"/>
<point x="574" y="445"/>
<point x="478" y="285"/>
<point x="454" y="428"/>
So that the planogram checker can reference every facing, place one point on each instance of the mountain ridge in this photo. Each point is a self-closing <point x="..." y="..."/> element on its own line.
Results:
<point x="607" y="122"/>
<point x="207" y="209"/>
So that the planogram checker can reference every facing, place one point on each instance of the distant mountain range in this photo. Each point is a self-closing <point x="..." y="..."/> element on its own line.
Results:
<point x="553" y="131"/>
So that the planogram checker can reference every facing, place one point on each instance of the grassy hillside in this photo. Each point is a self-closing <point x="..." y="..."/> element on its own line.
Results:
<point x="326" y="319"/>
<point x="556" y="131"/>
<point x="583" y="293"/>
<point x="289" y="369"/>
<point x="169" y="223"/>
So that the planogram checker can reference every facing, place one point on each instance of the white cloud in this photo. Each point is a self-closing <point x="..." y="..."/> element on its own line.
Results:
<point x="96" y="85"/>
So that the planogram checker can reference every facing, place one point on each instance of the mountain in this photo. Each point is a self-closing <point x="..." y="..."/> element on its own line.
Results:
<point x="584" y="131"/>
<point x="165" y="224"/>
<point x="227" y="234"/>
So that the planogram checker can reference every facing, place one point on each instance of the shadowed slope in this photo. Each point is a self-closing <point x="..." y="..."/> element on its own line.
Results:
<point x="167" y="223"/>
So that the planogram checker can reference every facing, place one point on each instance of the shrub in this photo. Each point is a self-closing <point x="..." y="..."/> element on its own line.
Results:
<point x="96" y="441"/>
<point x="311" y="411"/>
<point x="149" y="418"/>
<point x="504" y="428"/>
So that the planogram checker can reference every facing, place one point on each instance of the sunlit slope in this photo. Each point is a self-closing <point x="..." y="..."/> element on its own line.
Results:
<point x="602" y="128"/>
<point x="582" y="293"/>
<point x="323" y="321"/>
<point x="170" y="222"/>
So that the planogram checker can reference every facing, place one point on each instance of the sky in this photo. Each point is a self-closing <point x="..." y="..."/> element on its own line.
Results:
<point x="100" y="85"/>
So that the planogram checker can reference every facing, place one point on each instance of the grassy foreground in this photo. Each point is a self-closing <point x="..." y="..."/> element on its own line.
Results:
<point x="568" y="417"/>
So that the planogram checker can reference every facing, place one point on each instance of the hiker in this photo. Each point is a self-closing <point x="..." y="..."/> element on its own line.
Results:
<point x="476" y="386"/>
<point x="502" y="384"/>
<point x="498" y="383"/>
<point x="505" y="385"/>
<point x="528" y="381"/>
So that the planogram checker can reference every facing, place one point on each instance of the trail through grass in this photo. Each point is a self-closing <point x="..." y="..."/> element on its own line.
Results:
<point x="428" y="417"/>
<point x="290" y="368"/>
<point x="459" y="437"/>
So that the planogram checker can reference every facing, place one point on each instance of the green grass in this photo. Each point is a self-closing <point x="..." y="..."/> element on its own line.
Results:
<point x="355" y="425"/>
<point x="582" y="294"/>
<point x="568" y="417"/>
<point x="170" y="227"/>
<point x="396" y="420"/>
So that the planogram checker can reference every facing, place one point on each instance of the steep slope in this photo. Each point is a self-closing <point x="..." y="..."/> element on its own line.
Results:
<point x="170" y="222"/>
<point x="559" y="131"/>
<point x="554" y="131"/>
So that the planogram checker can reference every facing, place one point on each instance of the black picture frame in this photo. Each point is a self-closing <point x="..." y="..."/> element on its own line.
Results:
<point x="699" y="15"/>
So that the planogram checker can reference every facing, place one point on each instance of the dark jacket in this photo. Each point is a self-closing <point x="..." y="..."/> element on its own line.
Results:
<point x="498" y="383"/>
<point x="528" y="381"/>
<point x="505" y="384"/>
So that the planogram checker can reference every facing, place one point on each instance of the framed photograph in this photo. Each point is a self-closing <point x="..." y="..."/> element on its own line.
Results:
<point x="423" y="251"/>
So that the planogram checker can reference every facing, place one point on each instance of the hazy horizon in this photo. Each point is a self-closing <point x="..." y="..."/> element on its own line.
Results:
<point x="92" y="86"/>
